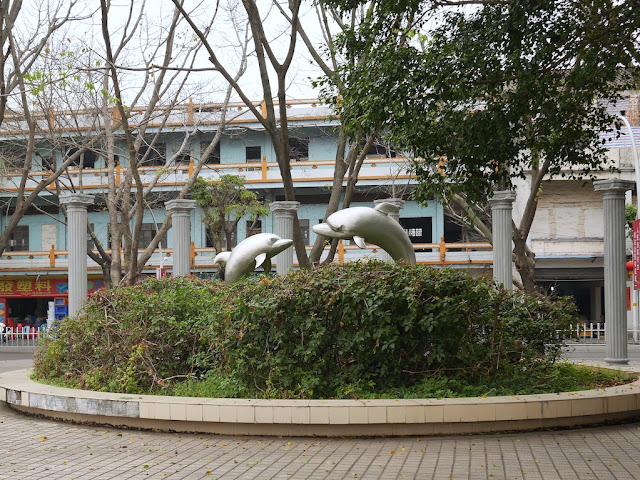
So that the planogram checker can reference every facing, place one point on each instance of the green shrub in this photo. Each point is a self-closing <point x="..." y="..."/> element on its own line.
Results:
<point x="335" y="331"/>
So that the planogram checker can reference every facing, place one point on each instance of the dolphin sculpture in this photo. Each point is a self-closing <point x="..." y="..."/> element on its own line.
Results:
<point x="373" y="225"/>
<point x="251" y="253"/>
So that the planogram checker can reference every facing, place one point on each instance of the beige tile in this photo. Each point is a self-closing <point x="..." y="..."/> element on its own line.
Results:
<point x="358" y="415"/>
<point x="245" y="414"/>
<point x="300" y="415"/>
<point x="377" y="414"/>
<point x="3" y="394"/>
<point x="194" y="413"/>
<point x="511" y="411"/>
<point x="263" y="414"/>
<point x="339" y="415"/>
<point x="416" y="414"/>
<point x="178" y="411"/>
<point x="397" y="414"/>
<point x="146" y="410"/>
<point x="281" y="414"/>
<point x="455" y="413"/>
<point x="162" y="411"/>
<point x="228" y="414"/>
<point x="534" y="410"/>
<point x="434" y="413"/>
<point x="621" y="403"/>
<point x="319" y="415"/>
<point x="556" y="409"/>
<point x="24" y="400"/>
<point x="210" y="413"/>
<point x="587" y="406"/>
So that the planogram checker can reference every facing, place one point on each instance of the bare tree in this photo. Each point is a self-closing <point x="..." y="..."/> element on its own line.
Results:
<point x="24" y="36"/>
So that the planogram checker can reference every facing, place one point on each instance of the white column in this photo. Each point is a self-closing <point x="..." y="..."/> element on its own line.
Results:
<point x="181" y="225"/>
<point x="284" y="212"/>
<point x="501" y="219"/>
<point x="398" y="202"/>
<point x="615" y="274"/>
<point x="76" y="205"/>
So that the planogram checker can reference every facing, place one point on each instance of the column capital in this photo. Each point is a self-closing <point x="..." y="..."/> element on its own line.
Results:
<point x="284" y="206"/>
<point x="613" y="185"/>
<point x="503" y="197"/>
<point x="76" y="199"/>
<point x="396" y="202"/>
<point x="180" y="205"/>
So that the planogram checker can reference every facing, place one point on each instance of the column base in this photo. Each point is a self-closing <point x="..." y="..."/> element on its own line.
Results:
<point x="617" y="361"/>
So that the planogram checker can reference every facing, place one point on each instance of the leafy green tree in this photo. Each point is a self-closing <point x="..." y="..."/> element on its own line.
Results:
<point x="225" y="202"/>
<point x="501" y="91"/>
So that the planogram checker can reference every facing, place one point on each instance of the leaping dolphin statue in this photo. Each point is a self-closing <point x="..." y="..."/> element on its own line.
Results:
<point x="251" y="253"/>
<point x="373" y="225"/>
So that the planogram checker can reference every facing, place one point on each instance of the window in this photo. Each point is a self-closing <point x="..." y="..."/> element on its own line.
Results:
<point x="214" y="158"/>
<point x="380" y="149"/>
<point x="253" y="228"/>
<point x="210" y="242"/>
<point x="88" y="158"/>
<point x="19" y="240"/>
<point x="254" y="154"/>
<point x="304" y="228"/>
<point x="183" y="158"/>
<point x="418" y="229"/>
<point x="152" y="156"/>
<point x="299" y="148"/>
<point x="147" y="232"/>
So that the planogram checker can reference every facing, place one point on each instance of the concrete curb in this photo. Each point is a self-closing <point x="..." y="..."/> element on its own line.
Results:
<point x="322" y="417"/>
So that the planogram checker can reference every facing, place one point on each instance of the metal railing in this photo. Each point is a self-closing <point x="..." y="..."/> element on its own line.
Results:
<point x="592" y="333"/>
<point x="440" y="253"/>
<point x="25" y="337"/>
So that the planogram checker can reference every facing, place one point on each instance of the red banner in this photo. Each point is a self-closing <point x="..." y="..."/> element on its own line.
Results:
<point x="42" y="287"/>
<point x="636" y="254"/>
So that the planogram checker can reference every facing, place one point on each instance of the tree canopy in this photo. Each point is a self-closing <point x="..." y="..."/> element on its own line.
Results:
<point x="492" y="92"/>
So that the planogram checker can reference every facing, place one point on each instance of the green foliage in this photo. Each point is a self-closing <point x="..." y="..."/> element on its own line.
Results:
<point x="495" y="90"/>
<point x="332" y="332"/>
<point x="129" y="339"/>
<point x="224" y="202"/>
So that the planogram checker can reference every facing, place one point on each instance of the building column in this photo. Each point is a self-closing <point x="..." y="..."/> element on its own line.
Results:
<point x="284" y="212"/>
<point x="501" y="219"/>
<point x="181" y="223"/>
<point x="399" y="203"/>
<point x="615" y="274"/>
<point x="76" y="205"/>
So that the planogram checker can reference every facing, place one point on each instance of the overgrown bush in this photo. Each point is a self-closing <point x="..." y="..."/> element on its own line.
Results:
<point x="312" y="333"/>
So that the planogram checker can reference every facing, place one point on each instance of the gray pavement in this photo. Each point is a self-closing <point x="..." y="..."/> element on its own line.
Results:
<point x="33" y="448"/>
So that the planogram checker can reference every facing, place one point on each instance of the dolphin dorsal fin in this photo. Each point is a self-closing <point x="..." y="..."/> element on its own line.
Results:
<point x="360" y="241"/>
<point x="386" y="208"/>
<point x="260" y="259"/>
<point x="222" y="257"/>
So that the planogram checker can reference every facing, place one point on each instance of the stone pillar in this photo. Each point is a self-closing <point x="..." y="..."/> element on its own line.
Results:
<point x="284" y="212"/>
<point x="615" y="273"/>
<point x="76" y="204"/>
<point x="398" y="202"/>
<point x="501" y="219"/>
<point x="181" y="224"/>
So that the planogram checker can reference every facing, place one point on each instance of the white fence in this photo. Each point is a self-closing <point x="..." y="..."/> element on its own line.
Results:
<point x="593" y="333"/>
<point x="26" y="337"/>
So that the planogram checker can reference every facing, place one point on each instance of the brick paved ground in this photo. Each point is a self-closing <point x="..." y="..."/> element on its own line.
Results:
<point x="32" y="448"/>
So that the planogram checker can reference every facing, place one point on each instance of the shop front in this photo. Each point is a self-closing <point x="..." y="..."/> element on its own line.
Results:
<point x="35" y="302"/>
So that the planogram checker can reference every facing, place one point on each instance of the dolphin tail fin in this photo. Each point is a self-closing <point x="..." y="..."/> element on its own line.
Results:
<point x="386" y="208"/>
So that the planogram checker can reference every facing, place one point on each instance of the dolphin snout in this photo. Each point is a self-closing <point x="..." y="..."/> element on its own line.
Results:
<point x="283" y="244"/>
<point x="323" y="229"/>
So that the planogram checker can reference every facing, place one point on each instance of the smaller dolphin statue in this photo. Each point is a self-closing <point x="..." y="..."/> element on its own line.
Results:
<point x="373" y="225"/>
<point x="251" y="253"/>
